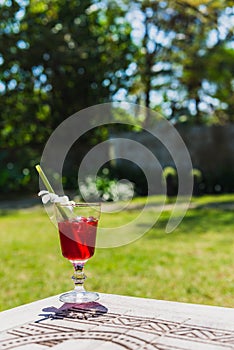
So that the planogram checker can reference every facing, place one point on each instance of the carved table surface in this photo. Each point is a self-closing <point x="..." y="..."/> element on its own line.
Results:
<point x="116" y="323"/>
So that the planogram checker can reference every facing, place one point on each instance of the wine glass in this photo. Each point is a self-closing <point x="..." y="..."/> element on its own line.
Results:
<point x="77" y="225"/>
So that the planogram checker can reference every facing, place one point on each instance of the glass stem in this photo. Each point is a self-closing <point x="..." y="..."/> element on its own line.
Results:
<point x="79" y="276"/>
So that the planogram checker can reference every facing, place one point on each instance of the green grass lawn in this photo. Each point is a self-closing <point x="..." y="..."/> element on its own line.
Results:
<point x="193" y="264"/>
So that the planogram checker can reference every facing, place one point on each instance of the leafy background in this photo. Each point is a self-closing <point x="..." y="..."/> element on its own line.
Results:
<point x="57" y="57"/>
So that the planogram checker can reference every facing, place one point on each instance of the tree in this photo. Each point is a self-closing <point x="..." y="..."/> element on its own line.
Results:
<point x="56" y="59"/>
<point x="179" y="41"/>
<point x="203" y="38"/>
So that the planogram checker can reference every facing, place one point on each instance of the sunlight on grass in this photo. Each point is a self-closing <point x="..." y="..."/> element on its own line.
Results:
<point x="193" y="264"/>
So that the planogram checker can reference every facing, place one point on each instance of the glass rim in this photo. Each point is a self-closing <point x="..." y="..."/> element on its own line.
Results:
<point x="78" y="204"/>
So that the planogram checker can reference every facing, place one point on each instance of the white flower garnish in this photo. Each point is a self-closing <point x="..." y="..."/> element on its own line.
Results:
<point x="47" y="196"/>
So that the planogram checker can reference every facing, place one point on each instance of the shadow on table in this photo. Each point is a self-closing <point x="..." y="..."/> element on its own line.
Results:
<point x="84" y="311"/>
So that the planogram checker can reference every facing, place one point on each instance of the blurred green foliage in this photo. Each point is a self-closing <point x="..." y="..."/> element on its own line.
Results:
<point x="58" y="57"/>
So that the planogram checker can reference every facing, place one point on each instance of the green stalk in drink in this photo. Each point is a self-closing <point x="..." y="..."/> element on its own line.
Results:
<point x="63" y="211"/>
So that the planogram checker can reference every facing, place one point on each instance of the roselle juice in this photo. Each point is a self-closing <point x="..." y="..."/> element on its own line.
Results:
<point x="77" y="238"/>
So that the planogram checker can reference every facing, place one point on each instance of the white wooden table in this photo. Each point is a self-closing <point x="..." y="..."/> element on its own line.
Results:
<point x="116" y="323"/>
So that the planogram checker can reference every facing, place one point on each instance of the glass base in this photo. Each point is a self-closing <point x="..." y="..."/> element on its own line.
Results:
<point x="79" y="297"/>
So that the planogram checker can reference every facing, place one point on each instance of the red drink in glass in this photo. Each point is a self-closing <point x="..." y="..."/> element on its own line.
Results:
<point x="77" y="225"/>
<point x="78" y="237"/>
